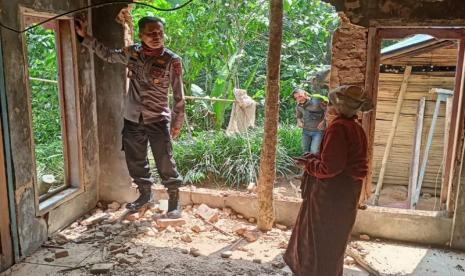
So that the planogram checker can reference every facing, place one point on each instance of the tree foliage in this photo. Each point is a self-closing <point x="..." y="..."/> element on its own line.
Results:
<point x="45" y="104"/>
<point x="223" y="45"/>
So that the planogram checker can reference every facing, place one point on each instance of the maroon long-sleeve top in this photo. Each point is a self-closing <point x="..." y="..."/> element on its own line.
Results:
<point x="330" y="191"/>
<point x="344" y="150"/>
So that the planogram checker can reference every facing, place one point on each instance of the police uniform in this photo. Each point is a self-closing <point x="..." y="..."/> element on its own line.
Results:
<point x="147" y="116"/>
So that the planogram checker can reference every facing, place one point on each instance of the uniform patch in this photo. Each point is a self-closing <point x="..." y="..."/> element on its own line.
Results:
<point x="177" y="66"/>
<point x="134" y="54"/>
<point x="157" y="72"/>
<point x="131" y="52"/>
<point x="161" y="61"/>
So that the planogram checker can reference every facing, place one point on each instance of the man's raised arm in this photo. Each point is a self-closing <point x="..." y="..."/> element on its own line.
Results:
<point x="107" y="54"/>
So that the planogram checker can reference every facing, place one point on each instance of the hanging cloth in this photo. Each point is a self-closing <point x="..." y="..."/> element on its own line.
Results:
<point x="243" y="113"/>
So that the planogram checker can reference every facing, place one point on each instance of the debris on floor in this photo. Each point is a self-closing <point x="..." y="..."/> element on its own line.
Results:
<point x="206" y="241"/>
<point x="203" y="242"/>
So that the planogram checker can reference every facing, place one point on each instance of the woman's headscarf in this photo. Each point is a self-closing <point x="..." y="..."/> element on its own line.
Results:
<point x="350" y="99"/>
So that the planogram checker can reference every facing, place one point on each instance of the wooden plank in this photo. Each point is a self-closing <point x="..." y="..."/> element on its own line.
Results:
<point x="369" y="118"/>
<point x="456" y="131"/>
<point x="63" y="84"/>
<point x="415" y="162"/>
<point x="429" y="142"/>
<point x="409" y="108"/>
<point x="458" y="223"/>
<point x="407" y="51"/>
<point x="447" y="124"/>
<point x="444" y="33"/>
<point x="424" y="55"/>
<point x="8" y="159"/>
<point x="6" y="248"/>
<point x="397" y="169"/>
<point x="405" y="131"/>
<point x="403" y="88"/>
<point x="360" y="260"/>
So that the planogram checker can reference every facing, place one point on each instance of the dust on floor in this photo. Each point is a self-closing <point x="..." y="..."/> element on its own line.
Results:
<point x="207" y="242"/>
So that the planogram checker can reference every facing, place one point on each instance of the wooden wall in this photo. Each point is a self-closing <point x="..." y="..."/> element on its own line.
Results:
<point x="398" y="167"/>
<point x="441" y="56"/>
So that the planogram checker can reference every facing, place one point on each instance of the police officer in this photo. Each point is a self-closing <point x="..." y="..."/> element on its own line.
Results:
<point x="152" y="69"/>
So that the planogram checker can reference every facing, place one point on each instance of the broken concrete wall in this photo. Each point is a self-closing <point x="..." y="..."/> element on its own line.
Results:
<point x="349" y="54"/>
<point x="395" y="224"/>
<point x="33" y="229"/>
<point x="114" y="180"/>
<point x="402" y="12"/>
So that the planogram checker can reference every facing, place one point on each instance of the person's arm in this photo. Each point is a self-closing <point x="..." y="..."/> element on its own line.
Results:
<point x="322" y="124"/>
<point x="177" y="112"/>
<point x="298" y="116"/>
<point x="120" y="55"/>
<point x="333" y="157"/>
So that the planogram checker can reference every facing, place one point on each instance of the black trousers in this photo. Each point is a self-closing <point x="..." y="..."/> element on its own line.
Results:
<point x="136" y="138"/>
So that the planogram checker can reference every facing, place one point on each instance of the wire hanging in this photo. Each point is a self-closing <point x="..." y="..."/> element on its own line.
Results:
<point x="94" y="6"/>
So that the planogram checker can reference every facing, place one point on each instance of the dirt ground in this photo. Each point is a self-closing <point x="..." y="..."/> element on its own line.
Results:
<point x="109" y="242"/>
<point x="395" y="196"/>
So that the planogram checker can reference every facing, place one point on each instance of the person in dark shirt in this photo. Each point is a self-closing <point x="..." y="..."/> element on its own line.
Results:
<point x="310" y="114"/>
<point x="152" y="69"/>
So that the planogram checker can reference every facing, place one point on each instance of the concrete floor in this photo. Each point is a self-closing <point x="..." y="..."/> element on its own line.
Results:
<point x="387" y="258"/>
<point x="401" y="259"/>
<point x="138" y="245"/>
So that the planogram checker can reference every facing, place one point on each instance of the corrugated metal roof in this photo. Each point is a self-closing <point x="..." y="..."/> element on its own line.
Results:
<point x="419" y="38"/>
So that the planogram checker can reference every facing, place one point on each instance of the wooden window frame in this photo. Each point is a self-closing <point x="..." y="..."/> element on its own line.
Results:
<point x="452" y="165"/>
<point x="69" y="107"/>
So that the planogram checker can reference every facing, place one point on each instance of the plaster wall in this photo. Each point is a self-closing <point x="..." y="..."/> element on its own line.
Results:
<point x="33" y="230"/>
<point x="430" y="228"/>
<point x="110" y="87"/>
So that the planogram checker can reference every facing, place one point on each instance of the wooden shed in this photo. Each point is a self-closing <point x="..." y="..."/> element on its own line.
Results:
<point x="421" y="63"/>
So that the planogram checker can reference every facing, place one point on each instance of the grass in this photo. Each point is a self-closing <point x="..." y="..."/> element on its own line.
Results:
<point x="209" y="156"/>
<point x="233" y="160"/>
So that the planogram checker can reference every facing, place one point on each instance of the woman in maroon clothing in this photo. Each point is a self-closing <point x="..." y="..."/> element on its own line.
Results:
<point x="331" y="188"/>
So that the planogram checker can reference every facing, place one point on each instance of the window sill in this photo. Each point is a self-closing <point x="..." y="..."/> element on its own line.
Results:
<point x="58" y="199"/>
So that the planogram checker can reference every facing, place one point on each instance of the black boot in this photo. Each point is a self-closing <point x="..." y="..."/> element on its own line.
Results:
<point x="174" y="208"/>
<point x="145" y="198"/>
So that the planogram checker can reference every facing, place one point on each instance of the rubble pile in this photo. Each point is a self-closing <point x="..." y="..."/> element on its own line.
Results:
<point x="129" y="242"/>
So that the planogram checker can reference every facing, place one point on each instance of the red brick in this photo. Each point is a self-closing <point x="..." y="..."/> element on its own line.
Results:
<point x="165" y="222"/>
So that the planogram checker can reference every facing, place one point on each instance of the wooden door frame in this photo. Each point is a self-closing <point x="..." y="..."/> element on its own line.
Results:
<point x="9" y="247"/>
<point x="8" y="160"/>
<point x="375" y="35"/>
<point x="6" y="252"/>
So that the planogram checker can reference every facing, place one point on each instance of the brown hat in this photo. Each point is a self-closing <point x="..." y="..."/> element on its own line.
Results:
<point x="351" y="96"/>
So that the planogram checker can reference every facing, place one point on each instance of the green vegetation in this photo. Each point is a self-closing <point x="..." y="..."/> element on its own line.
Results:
<point x="223" y="45"/>
<point x="46" y="114"/>
<point x="215" y="156"/>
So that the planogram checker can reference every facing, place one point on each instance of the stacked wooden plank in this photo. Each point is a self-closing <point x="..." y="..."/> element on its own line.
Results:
<point x="399" y="162"/>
